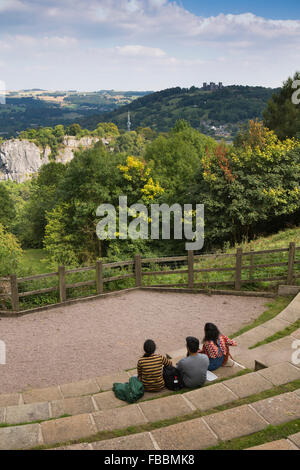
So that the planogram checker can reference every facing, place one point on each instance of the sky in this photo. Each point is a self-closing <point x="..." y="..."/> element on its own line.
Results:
<point x="147" y="44"/>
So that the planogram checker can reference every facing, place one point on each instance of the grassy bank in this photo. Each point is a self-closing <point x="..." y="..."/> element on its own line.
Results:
<point x="255" y="277"/>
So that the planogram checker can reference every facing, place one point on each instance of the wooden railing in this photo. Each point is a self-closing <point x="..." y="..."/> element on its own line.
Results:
<point x="188" y="266"/>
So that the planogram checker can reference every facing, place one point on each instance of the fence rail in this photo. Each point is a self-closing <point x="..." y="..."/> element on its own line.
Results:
<point x="143" y="270"/>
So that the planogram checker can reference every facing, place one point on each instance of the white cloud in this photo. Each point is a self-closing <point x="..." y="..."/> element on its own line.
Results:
<point x="133" y="6"/>
<point x="145" y="43"/>
<point x="6" y="5"/>
<point x="140" y="51"/>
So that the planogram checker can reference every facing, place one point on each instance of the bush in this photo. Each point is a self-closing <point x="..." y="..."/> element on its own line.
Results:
<point x="10" y="252"/>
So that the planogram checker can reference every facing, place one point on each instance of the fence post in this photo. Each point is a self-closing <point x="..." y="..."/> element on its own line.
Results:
<point x="62" y="284"/>
<point x="99" y="277"/>
<point x="14" y="293"/>
<point x="190" y="269"/>
<point x="290" y="276"/>
<point x="251" y="264"/>
<point x="238" y="269"/>
<point x="138" y="270"/>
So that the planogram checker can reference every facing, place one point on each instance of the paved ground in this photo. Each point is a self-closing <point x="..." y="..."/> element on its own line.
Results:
<point x="100" y="337"/>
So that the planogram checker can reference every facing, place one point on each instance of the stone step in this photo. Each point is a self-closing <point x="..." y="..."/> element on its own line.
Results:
<point x="207" y="431"/>
<point x="81" y="425"/>
<point x="291" y="443"/>
<point x="282" y="444"/>
<point x="75" y="389"/>
<point x="203" y="398"/>
<point x="75" y="405"/>
<point x="90" y="387"/>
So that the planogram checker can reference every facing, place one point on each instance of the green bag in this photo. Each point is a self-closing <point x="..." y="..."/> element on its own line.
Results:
<point x="130" y="391"/>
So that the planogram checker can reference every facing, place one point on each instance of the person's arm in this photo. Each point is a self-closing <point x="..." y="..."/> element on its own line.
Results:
<point x="229" y="342"/>
<point x="139" y="369"/>
<point x="204" y="350"/>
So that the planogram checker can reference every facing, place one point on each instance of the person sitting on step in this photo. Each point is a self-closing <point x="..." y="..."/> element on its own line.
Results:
<point x="216" y="347"/>
<point x="193" y="368"/>
<point x="150" y="368"/>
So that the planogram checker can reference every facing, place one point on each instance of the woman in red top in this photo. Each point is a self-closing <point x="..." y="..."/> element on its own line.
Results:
<point x="216" y="346"/>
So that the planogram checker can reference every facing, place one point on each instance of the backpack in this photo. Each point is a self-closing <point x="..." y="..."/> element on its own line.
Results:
<point x="130" y="391"/>
<point x="172" y="378"/>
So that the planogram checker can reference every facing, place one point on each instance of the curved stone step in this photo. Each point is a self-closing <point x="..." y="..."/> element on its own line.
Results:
<point x="42" y="411"/>
<point x="85" y="424"/>
<point x="207" y="431"/>
<point x="282" y="444"/>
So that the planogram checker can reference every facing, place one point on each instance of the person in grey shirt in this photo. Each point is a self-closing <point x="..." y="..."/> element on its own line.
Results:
<point x="193" y="368"/>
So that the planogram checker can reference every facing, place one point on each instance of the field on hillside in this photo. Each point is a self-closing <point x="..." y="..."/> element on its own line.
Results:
<point x="33" y="109"/>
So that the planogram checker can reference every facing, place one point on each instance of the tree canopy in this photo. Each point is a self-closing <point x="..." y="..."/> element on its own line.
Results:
<point x="282" y="115"/>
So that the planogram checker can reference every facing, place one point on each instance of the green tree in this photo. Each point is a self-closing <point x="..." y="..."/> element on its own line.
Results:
<point x="175" y="158"/>
<point x="110" y="129"/>
<point x="7" y="209"/>
<point x="248" y="188"/>
<point x="19" y="195"/>
<point x="74" y="129"/>
<point x="281" y="114"/>
<point x="10" y="252"/>
<point x="94" y="177"/>
<point x="43" y="197"/>
<point x="130" y="143"/>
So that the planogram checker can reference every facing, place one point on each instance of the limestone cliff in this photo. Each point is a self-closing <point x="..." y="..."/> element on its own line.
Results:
<point x="20" y="159"/>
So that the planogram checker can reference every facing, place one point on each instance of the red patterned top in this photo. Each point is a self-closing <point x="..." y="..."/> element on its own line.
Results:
<point x="211" y="350"/>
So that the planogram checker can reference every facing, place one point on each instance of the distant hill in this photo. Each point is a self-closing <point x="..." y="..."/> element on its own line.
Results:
<point x="42" y="108"/>
<point x="217" y="113"/>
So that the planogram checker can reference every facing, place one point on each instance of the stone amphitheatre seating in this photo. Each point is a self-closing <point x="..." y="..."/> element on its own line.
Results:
<point x="86" y="414"/>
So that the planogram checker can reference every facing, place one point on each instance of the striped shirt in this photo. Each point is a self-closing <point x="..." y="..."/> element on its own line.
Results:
<point x="211" y="349"/>
<point x="150" y="371"/>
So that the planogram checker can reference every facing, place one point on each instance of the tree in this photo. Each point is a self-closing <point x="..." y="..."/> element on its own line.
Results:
<point x="74" y="129"/>
<point x="130" y="143"/>
<point x="10" y="252"/>
<point x="95" y="176"/>
<point x="281" y="114"/>
<point x="175" y="158"/>
<point x="147" y="133"/>
<point x="110" y="129"/>
<point x="43" y="198"/>
<point x="7" y="209"/>
<point x="19" y="195"/>
<point x="250" y="187"/>
<point x="59" y="132"/>
<point x="60" y="244"/>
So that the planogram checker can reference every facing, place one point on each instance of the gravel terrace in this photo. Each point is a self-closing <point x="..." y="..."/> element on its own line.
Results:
<point x="103" y="336"/>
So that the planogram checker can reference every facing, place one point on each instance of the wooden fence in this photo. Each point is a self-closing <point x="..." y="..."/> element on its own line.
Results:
<point x="188" y="266"/>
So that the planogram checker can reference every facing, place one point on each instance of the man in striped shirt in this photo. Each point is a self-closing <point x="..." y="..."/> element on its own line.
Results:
<point x="150" y="368"/>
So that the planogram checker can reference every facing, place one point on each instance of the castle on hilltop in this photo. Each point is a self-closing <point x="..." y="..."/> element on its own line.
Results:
<point x="212" y="86"/>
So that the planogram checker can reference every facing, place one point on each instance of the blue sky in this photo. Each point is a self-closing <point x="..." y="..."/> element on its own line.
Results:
<point x="272" y="9"/>
<point x="147" y="44"/>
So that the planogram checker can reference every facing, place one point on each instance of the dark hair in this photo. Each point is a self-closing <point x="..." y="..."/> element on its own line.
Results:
<point x="192" y="344"/>
<point x="149" y="347"/>
<point x="211" y="333"/>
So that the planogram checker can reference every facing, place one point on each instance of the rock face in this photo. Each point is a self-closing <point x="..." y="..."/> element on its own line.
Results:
<point x="71" y="144"/>
<point x="20" y="159"/>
